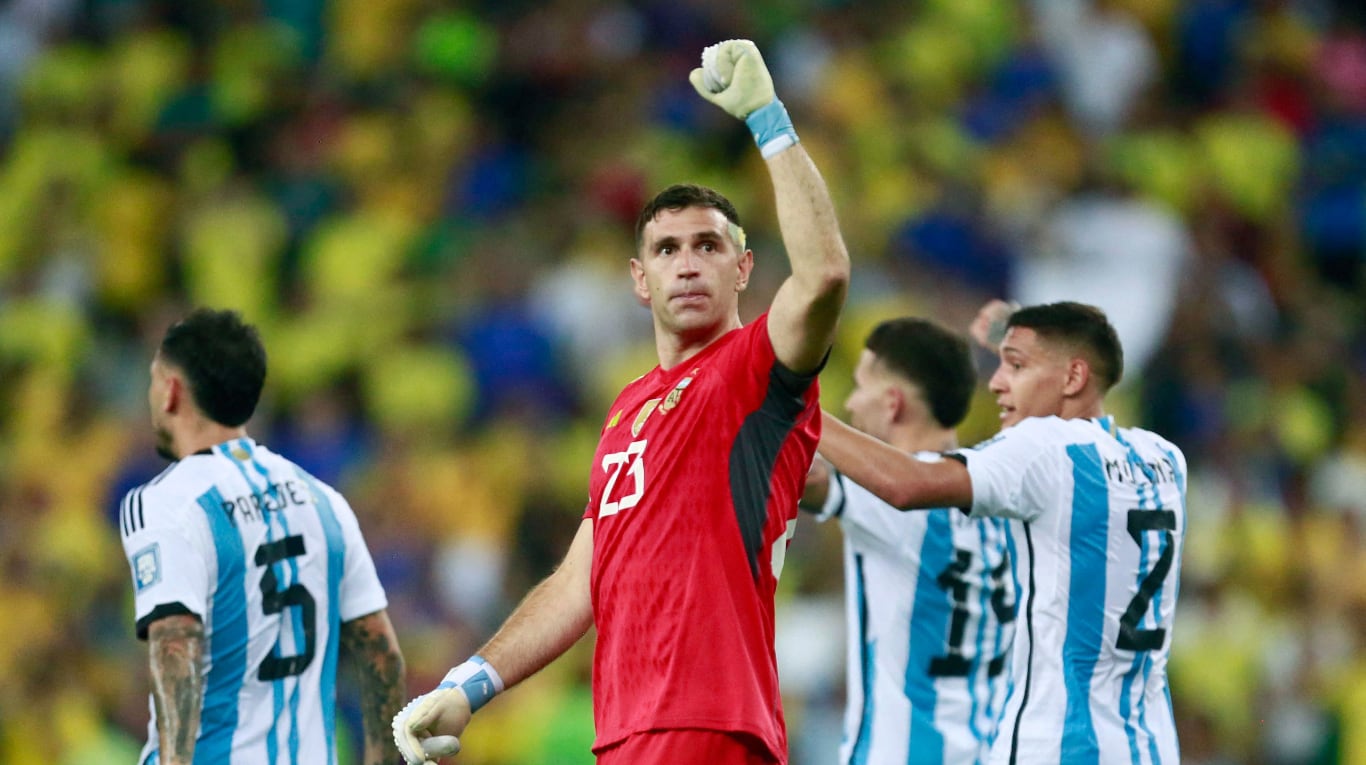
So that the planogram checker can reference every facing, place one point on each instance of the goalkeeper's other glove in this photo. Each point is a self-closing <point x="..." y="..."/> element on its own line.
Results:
<point x="428" y="728"/>
<point x="425" y="749"/>
<point x="733" y="76"/>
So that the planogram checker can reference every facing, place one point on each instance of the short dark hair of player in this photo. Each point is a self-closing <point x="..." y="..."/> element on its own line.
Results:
<point x="935" y="359"/>
<point x="1082" y="326"/>
<point x="681" y="196"/>
<point x="224" y="361"/>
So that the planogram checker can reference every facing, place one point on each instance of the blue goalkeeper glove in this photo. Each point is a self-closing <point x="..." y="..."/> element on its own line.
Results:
<point x="428" y="728"/>
<point x="733" y="76"/>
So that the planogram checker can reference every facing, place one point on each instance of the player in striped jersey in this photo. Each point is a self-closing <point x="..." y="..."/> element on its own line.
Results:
<point x="251" y="577"/>
<point x="1098" y="515"/>
<point x="928" y="596"/>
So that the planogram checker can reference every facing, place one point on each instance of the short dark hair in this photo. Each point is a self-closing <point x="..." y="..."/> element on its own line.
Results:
<point x="1081" y="325"/>
<point x="223" y="360"/>
<point x="935" y="359"/>
<point x="681" y="196"/>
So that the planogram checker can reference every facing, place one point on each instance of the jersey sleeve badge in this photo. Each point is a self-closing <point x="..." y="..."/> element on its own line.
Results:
<point x="147" y="566"/>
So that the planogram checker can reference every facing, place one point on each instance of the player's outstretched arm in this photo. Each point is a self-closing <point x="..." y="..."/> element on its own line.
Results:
<point x="550" y="619"/>
<point x="806" y="310"/>
<point x="176" y="652"/>
<point x="892" y="475"/>
<point x="817" y="487"/>
<point x="369" y="643"/>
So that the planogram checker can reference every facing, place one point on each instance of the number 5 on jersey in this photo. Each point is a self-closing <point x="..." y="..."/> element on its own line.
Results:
<point x="632" y="463"/>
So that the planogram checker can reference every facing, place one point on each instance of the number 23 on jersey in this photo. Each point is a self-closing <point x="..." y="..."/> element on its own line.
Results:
<point x="625" y="479"/>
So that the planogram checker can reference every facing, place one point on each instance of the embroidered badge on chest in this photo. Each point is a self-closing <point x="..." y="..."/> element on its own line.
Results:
<point x="671" y="400"/>
<point x="643" y="416"/>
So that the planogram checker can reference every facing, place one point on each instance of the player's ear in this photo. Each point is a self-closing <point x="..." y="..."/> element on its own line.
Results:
<point x="177" y="395"/>
<point x="1077" y="376"/>
<point x="746" y="265"/>
<point x="894" y="398"/>
<point x="638" y="284"/>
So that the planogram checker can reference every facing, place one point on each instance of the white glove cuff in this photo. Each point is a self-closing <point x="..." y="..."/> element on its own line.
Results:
<point x="477" y="678"/>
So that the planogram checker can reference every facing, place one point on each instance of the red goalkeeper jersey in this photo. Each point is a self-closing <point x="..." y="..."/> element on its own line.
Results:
<point x="694" y="496"/>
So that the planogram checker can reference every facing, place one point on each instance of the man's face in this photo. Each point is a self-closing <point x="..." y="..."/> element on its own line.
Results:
<point x="157" y="397"/>
<point x="871" y="404"/>
<point x="689" y="270"/>
<point x="1031" y="379"/>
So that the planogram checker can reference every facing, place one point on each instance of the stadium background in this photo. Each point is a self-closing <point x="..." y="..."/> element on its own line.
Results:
<point x="427" y="208"/>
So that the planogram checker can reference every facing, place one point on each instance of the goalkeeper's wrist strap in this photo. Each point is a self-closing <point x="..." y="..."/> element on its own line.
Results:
<point x="772" y="128"/>
<point x="477" y="678"/>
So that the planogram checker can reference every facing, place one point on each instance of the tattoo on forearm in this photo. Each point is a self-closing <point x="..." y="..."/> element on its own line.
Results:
<point x="176" y="653"/>
<point x="373" y="649"/>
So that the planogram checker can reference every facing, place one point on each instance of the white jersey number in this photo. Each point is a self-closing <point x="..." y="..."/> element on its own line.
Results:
<point x="632" y="461"/>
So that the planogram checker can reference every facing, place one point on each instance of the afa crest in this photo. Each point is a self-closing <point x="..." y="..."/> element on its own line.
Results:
<point x="671" y="400"/>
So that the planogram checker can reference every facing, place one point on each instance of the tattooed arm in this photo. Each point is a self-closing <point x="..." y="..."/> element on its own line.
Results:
<point x="176" y="647"/>
<point x="372" y="646"/>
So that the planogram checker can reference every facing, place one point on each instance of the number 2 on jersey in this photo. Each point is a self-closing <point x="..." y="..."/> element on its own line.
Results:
<point x="632" y="462"/>
<point x="274" y="601"/>
<point x="1131" y="638"/>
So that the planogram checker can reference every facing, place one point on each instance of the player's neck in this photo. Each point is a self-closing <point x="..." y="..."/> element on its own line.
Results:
<point x="923" y="439"/>
<point x="201" y="433"/>
<point x="675" y="348"/>
<point x="1083" y="407"/>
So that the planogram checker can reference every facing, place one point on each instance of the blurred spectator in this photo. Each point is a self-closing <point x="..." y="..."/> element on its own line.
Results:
<point x="1111" y="248"/>
<point x="1105" y="59"/>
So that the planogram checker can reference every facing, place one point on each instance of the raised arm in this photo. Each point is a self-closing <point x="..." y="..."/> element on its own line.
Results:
<point x="176" y="652"/>
<point x="894" y="476"/>
<point x="806" y="309"/>
<point x="550" y="619"/>
<point x="988" y="328"/>
<point x="372" y="647"/>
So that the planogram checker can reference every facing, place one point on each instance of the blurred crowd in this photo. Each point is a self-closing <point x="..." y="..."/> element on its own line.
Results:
<point x="427" y="209"/>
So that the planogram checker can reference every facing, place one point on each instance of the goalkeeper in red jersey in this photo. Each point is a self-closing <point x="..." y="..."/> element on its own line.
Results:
<point x="694" y="487"/>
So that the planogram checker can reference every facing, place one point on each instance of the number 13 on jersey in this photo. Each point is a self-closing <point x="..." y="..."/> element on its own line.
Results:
<point x="632" y="463"/>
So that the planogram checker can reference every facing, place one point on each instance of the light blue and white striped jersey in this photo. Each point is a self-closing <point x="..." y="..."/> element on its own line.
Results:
<point x="273" y="562"/>
<point x="1099" y="515"/>
<point x="930" y="603"/>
